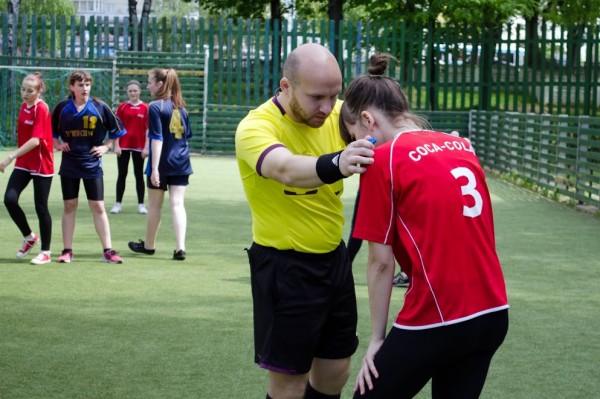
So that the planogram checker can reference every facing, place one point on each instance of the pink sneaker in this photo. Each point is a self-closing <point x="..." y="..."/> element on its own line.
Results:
<point x="66" y="256"/>
<point x="42" y="258"/>
<point x="28" y="243"/>
<point x="111" y="256"/>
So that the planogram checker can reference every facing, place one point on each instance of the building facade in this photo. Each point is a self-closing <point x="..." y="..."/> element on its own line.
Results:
<point x="105" y="8"/>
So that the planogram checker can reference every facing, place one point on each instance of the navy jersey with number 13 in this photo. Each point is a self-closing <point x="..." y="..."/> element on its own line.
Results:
<point x="83" y="130"/>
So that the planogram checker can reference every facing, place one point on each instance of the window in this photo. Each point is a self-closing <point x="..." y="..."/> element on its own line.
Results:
<point x="87" y="6"/>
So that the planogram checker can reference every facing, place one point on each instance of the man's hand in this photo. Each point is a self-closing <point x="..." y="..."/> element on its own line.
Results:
<point x="356" y="157"/>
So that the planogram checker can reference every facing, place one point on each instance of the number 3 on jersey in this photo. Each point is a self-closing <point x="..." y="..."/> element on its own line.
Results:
<point x="470" y="190"/>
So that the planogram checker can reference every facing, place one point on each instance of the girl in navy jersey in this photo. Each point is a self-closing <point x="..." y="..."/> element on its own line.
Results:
<point x="424" y="203"/>
<point x="80" y="125"/>
<point x="34" y="162"/>
<point x="169" y="166"/>
<point x="134" y="145"/>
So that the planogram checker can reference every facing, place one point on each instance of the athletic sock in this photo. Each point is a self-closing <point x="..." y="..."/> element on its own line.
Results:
<point x="312" y="393"/>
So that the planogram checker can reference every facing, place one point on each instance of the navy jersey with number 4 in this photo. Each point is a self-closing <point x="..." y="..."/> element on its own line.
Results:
<point x="172" y="127"/>
<point x="83" y="130"/>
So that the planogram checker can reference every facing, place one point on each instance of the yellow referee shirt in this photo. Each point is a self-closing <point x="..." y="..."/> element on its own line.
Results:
<point x="283" y="217"/>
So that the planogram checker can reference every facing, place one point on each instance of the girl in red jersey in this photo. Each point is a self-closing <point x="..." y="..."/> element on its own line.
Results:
<point x="34" y="161"/>
<point x="134" y="145"/>
<point x="424" y="203"/>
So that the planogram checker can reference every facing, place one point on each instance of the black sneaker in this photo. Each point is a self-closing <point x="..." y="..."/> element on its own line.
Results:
<point x="401" y="280"/>
<point x="140" y="248"/>
<point x="179" y="255"/>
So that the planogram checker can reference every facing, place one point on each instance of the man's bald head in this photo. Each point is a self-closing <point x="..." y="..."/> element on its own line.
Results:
<point x="307" y="60"/>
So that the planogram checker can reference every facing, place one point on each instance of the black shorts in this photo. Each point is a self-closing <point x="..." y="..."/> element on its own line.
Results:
<point x="166" y="181"/>
<point x="456" y="359"/>
<point x="94" y="188"/>
<point x="304" y="307"/>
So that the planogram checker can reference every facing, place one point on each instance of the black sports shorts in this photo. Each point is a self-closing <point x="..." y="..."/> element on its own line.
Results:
<point x="166" y="181"/>
<point x="304" y="307"/>
<point x="94" y="188"/>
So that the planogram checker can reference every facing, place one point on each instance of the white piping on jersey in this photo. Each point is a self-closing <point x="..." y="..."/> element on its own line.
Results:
<point x="387" y="234"/>
<point x="34" y="172"/>
<point x="451" y="322"/>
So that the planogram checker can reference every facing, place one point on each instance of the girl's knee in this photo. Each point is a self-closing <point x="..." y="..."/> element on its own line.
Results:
<point x="70" y="206"/>
<point x="10" y="201"/>
<point x="41" y="209"/>
<point x="97" y="208"/>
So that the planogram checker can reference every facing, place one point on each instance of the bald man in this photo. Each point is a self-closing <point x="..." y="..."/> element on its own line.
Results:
<point x="292" y="162"/>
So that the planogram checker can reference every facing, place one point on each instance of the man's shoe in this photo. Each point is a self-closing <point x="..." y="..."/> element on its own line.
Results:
<point x="111" y="256"/>
<point x="401" y="280"/>
<point x="140" y="248"/>
<point x="66" y="256"/>
<point x="179" y="255"/>
<point x="116" y="208"/>
<point x="142" y="209"/>
<point x="28" y="243"/>
<point x="42" y="258"/>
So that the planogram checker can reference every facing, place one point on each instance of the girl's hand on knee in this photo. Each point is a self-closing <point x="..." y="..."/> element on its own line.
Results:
<point x="368" y="371"/>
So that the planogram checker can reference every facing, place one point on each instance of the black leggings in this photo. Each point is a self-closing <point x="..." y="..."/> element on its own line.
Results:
<point x="19" y="179"/>
<point x="138" y="172"/>
<point x="455" y="358"/>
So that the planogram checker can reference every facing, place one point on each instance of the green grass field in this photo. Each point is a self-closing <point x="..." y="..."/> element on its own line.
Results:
<point x="156" y="328"/>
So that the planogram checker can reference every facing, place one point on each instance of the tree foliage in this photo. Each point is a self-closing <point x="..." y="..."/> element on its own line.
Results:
<point x="173" y="8"/>
<point x="234" y="8"/>
<point x="45" y="7"/>
<point x="301" y="9"/>
<point x="483" y="12"/>
<point x="573" y="12"/>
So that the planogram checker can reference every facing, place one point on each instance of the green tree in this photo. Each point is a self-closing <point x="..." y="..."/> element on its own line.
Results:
<point x="531" y="13"/>
<point x="235" y="8"/>
<point x="573" y="12"/>
<point x="37" y="7"/>
<point x="174" y="8"/>
<point x="575" y="16"/>
<point x="487" y="17"/>
<point x="133" y="18"/>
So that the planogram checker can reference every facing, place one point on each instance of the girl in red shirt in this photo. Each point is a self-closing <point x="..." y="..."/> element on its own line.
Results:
<point x="134" y="145"/>
<point x="424" y="203"/>
<point x="34" y="162"/>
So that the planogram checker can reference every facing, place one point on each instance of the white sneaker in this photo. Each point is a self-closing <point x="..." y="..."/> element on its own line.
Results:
<point x="116" y="208"/>
<point x="42" y="258"/>
<point x="142" y="209"/>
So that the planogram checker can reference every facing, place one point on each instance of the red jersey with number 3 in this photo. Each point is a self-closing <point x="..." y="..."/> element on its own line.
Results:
<point x="35" y="121"/>
<point x="426" y="196"/>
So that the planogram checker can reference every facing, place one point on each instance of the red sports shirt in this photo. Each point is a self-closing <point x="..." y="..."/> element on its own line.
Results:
<point x="35" y="121"/>
<point x="426" y="196"/>
<point x="135" y="120"/>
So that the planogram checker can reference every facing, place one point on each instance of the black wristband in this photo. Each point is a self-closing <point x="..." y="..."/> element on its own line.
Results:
<point x="328" y="168"/>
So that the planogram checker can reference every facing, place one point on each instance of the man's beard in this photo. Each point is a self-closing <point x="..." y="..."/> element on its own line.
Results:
<point x="301" y="116"/>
